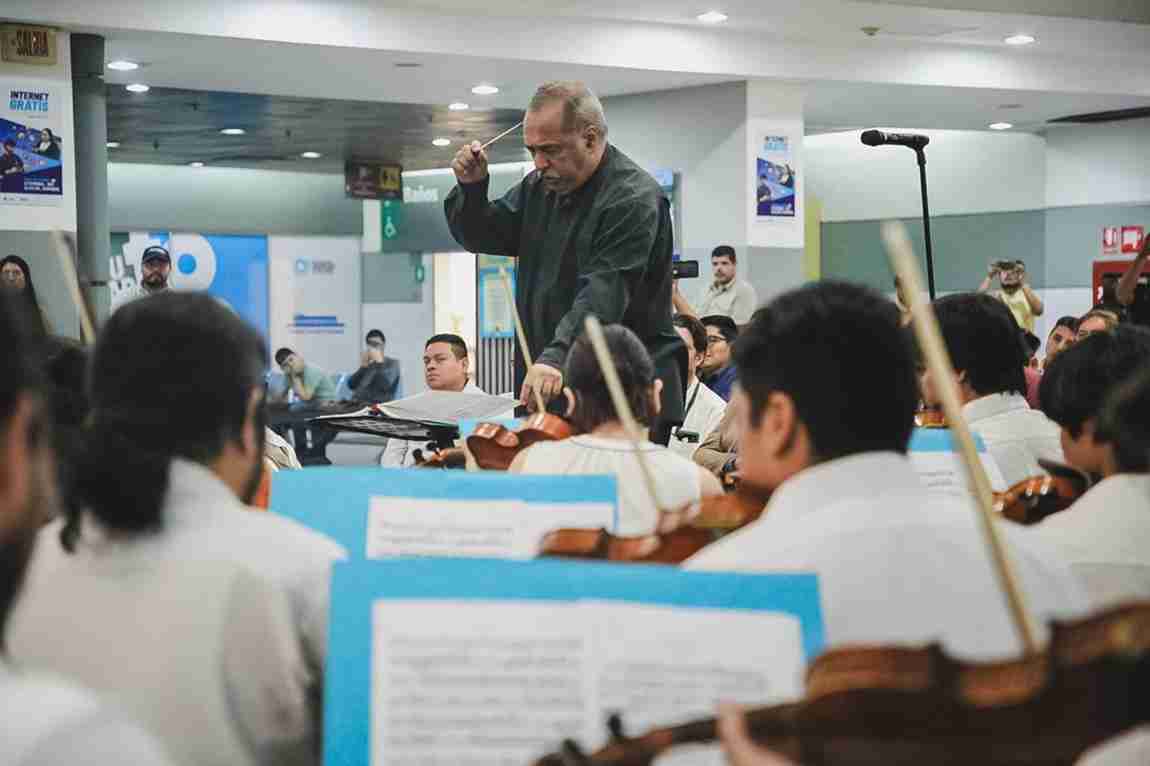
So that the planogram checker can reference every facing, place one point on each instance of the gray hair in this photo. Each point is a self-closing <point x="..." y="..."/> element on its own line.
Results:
<point x="581" y="107"/>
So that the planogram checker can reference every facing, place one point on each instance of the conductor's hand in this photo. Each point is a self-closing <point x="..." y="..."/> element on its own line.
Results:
<point x="737" y="743"/>
<point x="470" y="164"/>
<point x="543" y="378"/>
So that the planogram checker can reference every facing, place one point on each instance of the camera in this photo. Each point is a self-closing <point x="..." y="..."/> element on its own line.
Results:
<point x="684" y="269"/>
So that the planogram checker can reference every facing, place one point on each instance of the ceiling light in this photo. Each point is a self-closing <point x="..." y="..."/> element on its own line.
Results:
<point x="121" y="65"/>
<point x="712" y="17"/>
<point x="459" y="106"/>
<point x="1019" y="39"/>
<point x="233" y="131"/>
<point x="137" y="87"/>
<point x="485" y="90"/>
<point x="195" y="164"/>
<point x="441" y="142"/>
<point x="113" y="144"/>
<point x="407" y="65"/>
<point x="310" y="155"/>
<point x="1000" y="125"/>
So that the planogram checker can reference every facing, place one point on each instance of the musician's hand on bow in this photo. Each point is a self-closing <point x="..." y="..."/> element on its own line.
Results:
<point x="737" y="743"/>
<point x="543" y="378"/>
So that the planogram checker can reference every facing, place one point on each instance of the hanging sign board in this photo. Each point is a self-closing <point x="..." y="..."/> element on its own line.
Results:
<point x="20" y="44"/>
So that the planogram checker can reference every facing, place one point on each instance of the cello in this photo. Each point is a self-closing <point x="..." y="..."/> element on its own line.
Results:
<point x="898" y="705"/>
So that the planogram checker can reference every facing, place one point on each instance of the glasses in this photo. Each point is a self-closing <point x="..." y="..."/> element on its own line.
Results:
<point x="714" y="340"/>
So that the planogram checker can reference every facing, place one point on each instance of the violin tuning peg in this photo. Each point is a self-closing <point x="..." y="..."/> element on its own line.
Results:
<point x="615" y="727"/>
<point x="572" y="754"/>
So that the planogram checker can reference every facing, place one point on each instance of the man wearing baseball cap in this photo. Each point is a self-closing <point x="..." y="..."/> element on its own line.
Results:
<point x="155" y="267"/>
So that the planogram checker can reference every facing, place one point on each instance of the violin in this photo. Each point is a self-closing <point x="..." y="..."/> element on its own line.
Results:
<point x="452" y="458"/>
<point x="900" y="706"/>
<point x="494" y="446"/>
<point x="930" y="417"/>
<point x="1032" y="500"/>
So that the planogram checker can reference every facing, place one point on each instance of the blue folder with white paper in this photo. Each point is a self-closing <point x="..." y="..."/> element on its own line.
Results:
<point x="479" y="661"/>
<point x="939" y="465"/>
<point x="377" y="512"/>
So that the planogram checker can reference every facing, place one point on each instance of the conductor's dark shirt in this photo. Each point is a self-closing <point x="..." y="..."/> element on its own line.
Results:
<point x="603" y="249"/>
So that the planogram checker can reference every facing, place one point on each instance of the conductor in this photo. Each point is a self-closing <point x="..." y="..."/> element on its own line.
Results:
<point x="592" y="234"/>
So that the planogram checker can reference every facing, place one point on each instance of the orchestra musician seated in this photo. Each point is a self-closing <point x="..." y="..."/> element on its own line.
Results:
<point x="1105" y="535"/>
<point x="603" y="446"/>
<point x="896" y="563"/>
<point x="987" y="351"/>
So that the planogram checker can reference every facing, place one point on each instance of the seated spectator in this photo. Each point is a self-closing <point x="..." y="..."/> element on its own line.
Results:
<point x="446" y="367"/>
<point x="704" y="408"/>
<point x="719" y="451"/>
<point x="983" y="341"/>
<point x="46" y="720"/>
<point x="1060" y="338"/>
<point x="313" y="388"/>
<point x="206" y="621"/>
<point x="717" y="371"/>
<point x="1105" y="536"/>
<point x="603" y="446"/>
<point x="377" y="379"/>
<point x="826" y="401"/>
<point x="1096" y="320"/>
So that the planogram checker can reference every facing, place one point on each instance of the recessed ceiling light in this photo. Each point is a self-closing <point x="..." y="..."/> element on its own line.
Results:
<point x="1019" y="39"/>
<point x="310" y="155"/>
<point x="442" y="142"/>
<point x="407" y="65"/>
<point x="233" y="131"/>
<point x="459" y="106"/>
<point x="712" y="17"/>
<point x="195" y="164"/>
<point x="122" y="65"/>
<point x="1000" y="125"/>
<point x="1010" y="106"/>
<point x="113" y="144"/>
<point x="137" y="87"/>
<point x="485" y="90"/>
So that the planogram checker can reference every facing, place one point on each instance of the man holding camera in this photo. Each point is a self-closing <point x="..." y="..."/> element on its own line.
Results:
<point x="1022" y="301"/>
<point x="727" y="294"/>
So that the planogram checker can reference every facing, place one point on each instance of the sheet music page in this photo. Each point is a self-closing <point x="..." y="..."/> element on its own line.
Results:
<point x="945" y="471"/>
<point x="448" y="407"/>
<point x="475" y="683"/>
<point x="404" y="526"/>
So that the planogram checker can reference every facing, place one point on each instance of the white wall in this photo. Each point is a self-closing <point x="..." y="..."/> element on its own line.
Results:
<point x="967" y="172"/>
<point x="407" y="327"/>
<point x="455" y="295"/>
<point x="1098" y="164"/>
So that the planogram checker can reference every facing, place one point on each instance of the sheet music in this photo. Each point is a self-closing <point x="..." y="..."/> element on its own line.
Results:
<point x="448" y="407"/>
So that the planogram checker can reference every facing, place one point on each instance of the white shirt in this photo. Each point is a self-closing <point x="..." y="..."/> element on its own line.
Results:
<point x="677" y="478"/>
<point x="896" y="564"/>
<point x="129" y="294"/>
<point x="1105" y="538"/>
<point x="400" y="453"/>
<point x="736" y="299"/>
<point x="705" y="410"/>
<point x="1015" y="435"/>
<point x="48" y="722"/>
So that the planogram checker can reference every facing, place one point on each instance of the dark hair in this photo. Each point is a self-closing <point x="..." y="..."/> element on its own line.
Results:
<point x="724" y="324"/>
<point x="282" y="355"/>
<point x="1069" y="322"/>
<point x="1074" y="386"/>
<point x="727" y="251"/>
<point x="171" y="375"/>
<point x="1123" y="423"/>
<point x="458" y="345"/>
<point x="983" y="339"/>
<point x="837" y="350"/>
<point x="375" y="334"/>
<point x="695" y="329"/>
<point x="593" y="404"/>
<point x="9" y="142"/>
<point x="1032" y="342"/>
<point x="32" y="303"/>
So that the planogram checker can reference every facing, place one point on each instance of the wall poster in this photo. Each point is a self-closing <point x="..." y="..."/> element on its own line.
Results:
<point x="775" y="176"/>
<point x="31" y="143"/>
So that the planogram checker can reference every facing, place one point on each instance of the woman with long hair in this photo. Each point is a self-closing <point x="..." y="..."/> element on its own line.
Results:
<point x="17" y="276"/>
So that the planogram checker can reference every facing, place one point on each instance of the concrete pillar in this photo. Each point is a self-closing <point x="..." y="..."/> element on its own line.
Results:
<point x="91" y="135"/>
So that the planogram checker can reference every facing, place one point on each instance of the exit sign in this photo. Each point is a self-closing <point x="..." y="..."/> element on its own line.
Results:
<point x="20" y="44"/>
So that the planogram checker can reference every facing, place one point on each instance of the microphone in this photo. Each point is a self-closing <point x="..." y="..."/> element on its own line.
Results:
<point x="878" y="138"/>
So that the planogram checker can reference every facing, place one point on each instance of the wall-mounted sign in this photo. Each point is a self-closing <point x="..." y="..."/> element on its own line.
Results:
<point x="391" y="218"/>
<point x="1132" y="238"/>
<point x="1110" y="243"/>
<point x="20" y="44"/>
<point x="373" y="180"/>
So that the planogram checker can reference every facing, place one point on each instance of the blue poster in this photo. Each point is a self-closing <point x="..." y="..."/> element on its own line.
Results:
<point x="776" y="176"/>
<point x="31" y="146"/>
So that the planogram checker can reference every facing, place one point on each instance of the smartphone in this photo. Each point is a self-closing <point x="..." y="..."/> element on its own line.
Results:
<point x="684" y="269"/>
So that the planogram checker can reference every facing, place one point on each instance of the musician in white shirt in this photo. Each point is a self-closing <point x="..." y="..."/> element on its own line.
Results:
<point x="704" y="408"/>
<point x="826" y="402"/>
<point x="985" y="346"/>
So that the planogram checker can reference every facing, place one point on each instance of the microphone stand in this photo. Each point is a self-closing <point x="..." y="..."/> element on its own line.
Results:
<point x="921" y="153"/>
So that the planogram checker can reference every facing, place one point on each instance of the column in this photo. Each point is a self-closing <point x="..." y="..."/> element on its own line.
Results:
<point x="91" y="136"/>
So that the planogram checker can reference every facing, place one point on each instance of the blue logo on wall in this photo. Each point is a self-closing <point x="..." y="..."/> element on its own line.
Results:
<point x="317" y="324"/>
<point x="186" y="263"/>
<point x="301" y="266"/>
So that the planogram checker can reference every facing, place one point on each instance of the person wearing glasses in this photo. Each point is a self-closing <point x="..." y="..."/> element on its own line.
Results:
<point x="718" y="370"/>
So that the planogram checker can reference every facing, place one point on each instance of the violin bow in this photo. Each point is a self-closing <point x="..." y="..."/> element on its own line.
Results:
<point x="938" y="362"/>
<point x="540" y="405"/>
<point x="622" y="408"/>
<point x="72" y="281"/>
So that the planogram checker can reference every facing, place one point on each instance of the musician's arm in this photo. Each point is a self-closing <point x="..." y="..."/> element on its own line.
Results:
<point x="483" y="226"/>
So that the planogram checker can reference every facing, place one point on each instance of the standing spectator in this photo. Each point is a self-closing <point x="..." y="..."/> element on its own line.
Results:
<point x="377" y="379"/>
<point x="155" y="269"/>
<point x="718" y="370"/>
<point x="1022" y="301"/>
<point x="15" y="275"/>
<point x="727" y="295"/>
<point x="704" y="409"/>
